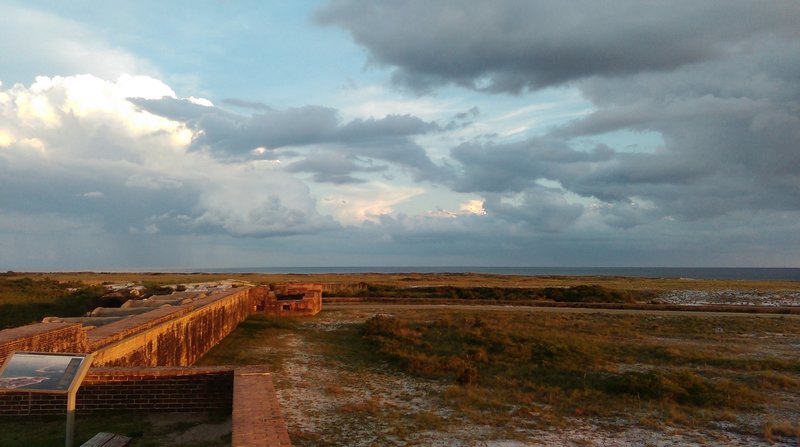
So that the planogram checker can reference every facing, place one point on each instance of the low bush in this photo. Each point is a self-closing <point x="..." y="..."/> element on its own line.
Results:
<point x="500" y="354"/>
<point x="576" y="294"/>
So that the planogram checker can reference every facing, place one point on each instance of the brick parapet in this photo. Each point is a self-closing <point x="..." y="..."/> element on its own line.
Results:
<point x="178" y="338"/>
<point x="43" y="337"/>
<point x="108" y="334"/>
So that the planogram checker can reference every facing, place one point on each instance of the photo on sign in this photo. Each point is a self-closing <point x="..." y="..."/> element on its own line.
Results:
<point x="40" y="372"/>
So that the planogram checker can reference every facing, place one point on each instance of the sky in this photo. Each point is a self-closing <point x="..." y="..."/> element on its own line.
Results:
<point x="220" y="134"/>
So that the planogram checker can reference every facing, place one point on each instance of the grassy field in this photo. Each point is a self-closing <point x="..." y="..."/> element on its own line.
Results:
<point x="522" y="372"/>
<point x="423" y="372"/>
<point x="589" y="364"/>
<point x="28" y="297"/>
<point x="424" y="279"/>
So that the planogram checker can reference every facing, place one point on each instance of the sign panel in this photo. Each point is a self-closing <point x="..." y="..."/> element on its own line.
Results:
<point x="42" y="372"/>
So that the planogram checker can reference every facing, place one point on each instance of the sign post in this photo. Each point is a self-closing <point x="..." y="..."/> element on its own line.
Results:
<point x="47" y="372"/>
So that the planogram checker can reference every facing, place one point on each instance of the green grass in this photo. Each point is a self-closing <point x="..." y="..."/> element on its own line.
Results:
<point x="24" y="300"/>
<point x="245" y="345"/>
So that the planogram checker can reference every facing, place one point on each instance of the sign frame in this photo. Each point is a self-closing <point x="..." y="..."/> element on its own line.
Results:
<point x="78" y="374"/>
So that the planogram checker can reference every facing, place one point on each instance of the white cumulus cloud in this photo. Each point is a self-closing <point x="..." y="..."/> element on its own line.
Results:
<point x="84" y="134"/>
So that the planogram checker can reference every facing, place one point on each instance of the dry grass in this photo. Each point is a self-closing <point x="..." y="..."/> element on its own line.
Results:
<point x="510" y="373"/>
<point x="596" y="365"/>
<point x="777" y="429"/>
<point x="430" y="279"/>
<point x="488" y="373"/>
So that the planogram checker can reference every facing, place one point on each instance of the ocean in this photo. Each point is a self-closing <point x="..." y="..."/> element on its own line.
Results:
<point x="644" y="272"/>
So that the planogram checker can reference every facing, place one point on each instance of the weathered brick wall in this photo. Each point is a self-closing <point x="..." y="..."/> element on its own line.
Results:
<point x="125" y="389"/>
<point x="179" y="339"/>
<point x="311" y="303"/>
<point x="43" y="337"/>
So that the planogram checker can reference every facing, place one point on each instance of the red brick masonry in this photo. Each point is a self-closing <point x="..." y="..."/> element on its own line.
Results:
<point x="257" y="420"/>
<point x="125" y="389"/>
<point x="41" y="337"/>
<point x="175" y="335"/>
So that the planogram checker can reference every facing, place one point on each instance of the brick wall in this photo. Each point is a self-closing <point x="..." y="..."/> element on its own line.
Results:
<point x="126" y="389"/>
<point x="283" y="300"/>
<point x="179" y="339"/>
<point x="43" y="337"/>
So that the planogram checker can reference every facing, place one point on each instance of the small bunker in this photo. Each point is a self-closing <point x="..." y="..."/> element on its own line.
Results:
<point x="290" y="299"/>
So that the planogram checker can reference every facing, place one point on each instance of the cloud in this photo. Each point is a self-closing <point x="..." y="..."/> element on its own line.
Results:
<point x="515" y="45"/>
<point x="730" y="132"/>
<point x="515" y="167"/>
<point x="717" y="82"/>
<point x="35" y="43"/>
<point x="263" y="202"/>
<point x="333" y="167"/>
<point x="90" y="137"/>
<point x="226" y="134"/>
<point x="541" y="209"/>
<point x="253" y="105"/>
<point x="369" y="202"/>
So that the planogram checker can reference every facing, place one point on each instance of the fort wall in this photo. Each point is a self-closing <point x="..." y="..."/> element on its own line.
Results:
<point x="43" y="337"/>
<point x="140" y="361"/>
<point x="171" y="336"/>
<point x="293" y="299"/>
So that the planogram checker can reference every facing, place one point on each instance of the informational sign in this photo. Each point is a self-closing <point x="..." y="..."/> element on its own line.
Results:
<point x="46" y="372"/>
<point x="42" y="372"/>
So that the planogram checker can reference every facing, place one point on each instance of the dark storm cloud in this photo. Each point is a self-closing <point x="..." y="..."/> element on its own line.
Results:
<point x="330" y="167"/>
<point x="232" y="135"/>
<point x="731" y="132"/>
<point x="513" y="45"/>
<point x="254" y="105"/>
<point x="542" y="209"/>
<point x="516" y="166"/>
<point x="101" y="193"/>
<point x="718" y="81"/>
<point x="390" y="126"/>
